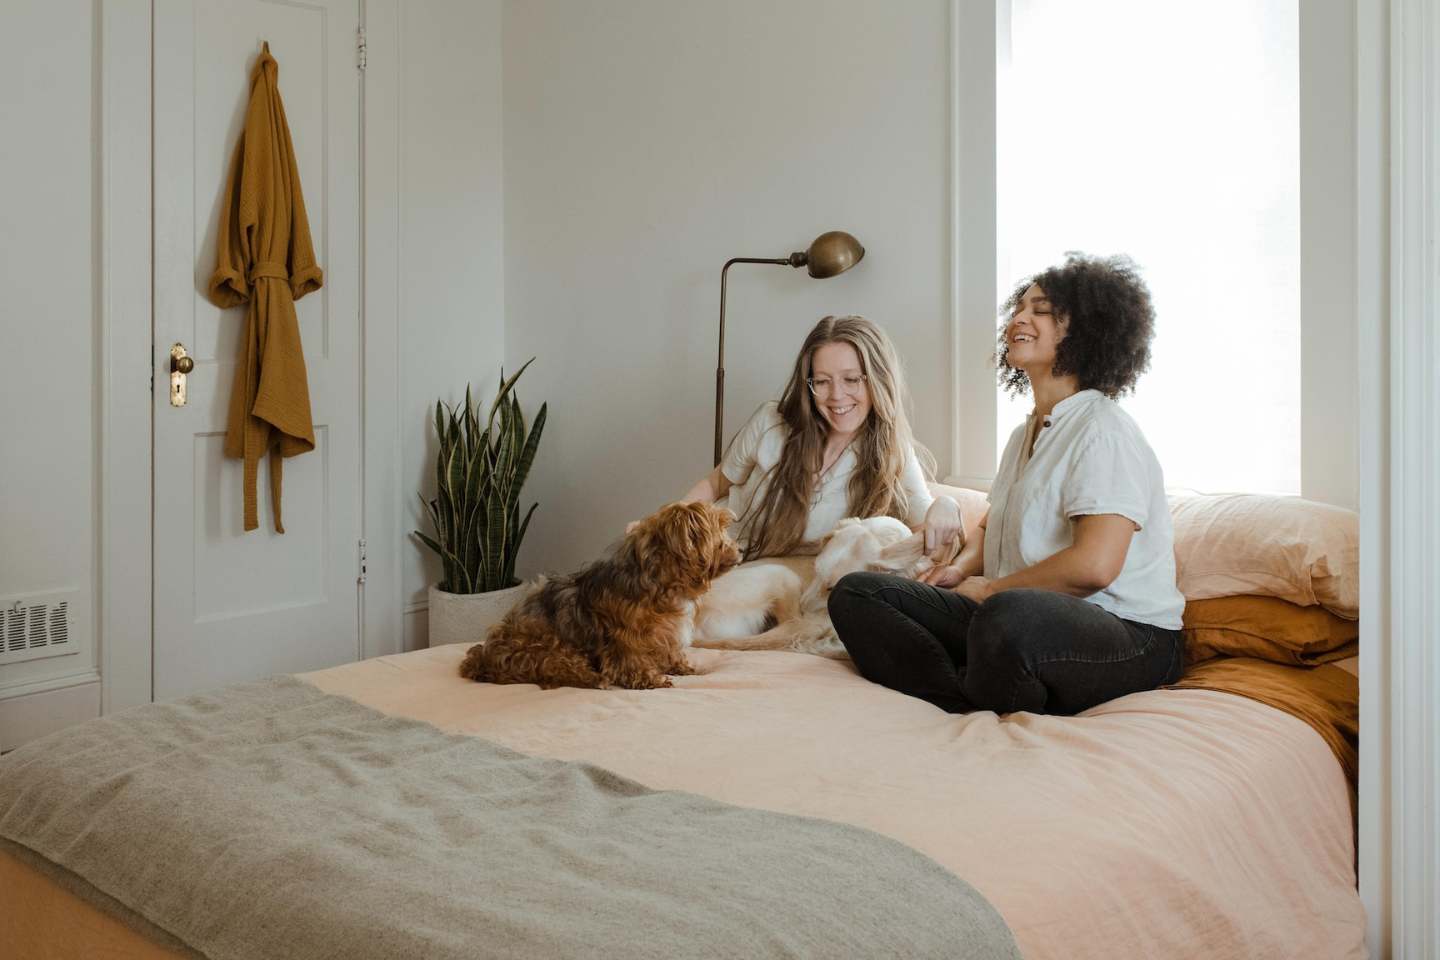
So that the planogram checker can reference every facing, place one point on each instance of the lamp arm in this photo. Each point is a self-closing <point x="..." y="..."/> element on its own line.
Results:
<point x="720" y="361"/>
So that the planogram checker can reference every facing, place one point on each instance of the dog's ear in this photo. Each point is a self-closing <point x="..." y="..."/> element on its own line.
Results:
<point x="691" y="529"/>
<point x="684" y="542"/>
<point x="700" y="541"/>
<point x="901" y="556"/>
<point x="660" y="545"/>
<point x="680" y="527"/>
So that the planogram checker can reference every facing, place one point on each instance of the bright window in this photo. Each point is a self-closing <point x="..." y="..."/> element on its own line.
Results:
<point x="1170" y="132"/>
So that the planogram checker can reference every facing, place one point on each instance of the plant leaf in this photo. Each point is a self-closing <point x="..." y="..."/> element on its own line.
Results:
<point x="494" y="535"/>
<point x="475" y="558"/>
<point x="527" y="456"/>
<point x="439" y="551"/>
<point x="465" y="421"/>
<point x="516" y="541"/>
<point x="439" y="444"/>
<point x="517" y="449"/>
<point x="505" y="387"/>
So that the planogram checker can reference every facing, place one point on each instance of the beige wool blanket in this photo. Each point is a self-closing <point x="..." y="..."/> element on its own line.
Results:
<point x="272" y="820"/>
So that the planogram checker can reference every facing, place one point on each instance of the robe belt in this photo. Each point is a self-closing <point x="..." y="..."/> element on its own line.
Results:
<point x="268" y="268"/>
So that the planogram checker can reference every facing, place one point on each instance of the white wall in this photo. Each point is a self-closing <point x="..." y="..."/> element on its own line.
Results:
<point x="452" y="299"/>
<point x="648" y="142"/>
<point x="49" y="374"/>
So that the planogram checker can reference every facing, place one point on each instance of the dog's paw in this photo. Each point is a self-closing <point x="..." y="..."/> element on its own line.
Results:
<point x="651" y="682"/>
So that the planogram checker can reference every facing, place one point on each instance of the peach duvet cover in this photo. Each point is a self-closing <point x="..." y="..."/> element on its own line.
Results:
<point x="1171" y="823"/>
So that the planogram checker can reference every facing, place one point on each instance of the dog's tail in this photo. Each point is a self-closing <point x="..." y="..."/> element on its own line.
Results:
<point x="480" y="663"/>
<point x="907" y="557"/>
<point x="481" y="660"/>
<point x="900" y="557"/>
<point x="507" y="657"/>
<point x="474" y="666"/>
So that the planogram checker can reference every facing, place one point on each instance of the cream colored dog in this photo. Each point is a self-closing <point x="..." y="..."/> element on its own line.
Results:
<point x="789" y="594"/>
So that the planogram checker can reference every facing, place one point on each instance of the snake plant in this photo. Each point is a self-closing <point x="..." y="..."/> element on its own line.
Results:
<point x="478" y="476"/>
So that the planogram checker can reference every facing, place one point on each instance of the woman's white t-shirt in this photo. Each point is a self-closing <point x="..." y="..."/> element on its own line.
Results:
<point x="756" y="450"/>
<point x="1089" y="458"/>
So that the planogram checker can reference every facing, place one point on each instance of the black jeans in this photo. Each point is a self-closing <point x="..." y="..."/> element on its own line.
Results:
<point x="1032" y="650"/>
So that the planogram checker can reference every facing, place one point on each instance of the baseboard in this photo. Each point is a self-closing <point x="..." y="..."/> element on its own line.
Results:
<point x="34" y="715"/>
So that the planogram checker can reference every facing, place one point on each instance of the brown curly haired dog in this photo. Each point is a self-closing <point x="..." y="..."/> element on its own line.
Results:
<point x="621" y="622"/>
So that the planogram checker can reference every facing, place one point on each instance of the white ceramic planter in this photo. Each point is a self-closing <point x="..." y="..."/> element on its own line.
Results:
<point x="467" y="617"/>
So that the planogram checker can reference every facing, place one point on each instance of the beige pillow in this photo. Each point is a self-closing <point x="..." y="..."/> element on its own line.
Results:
<point x="1298" y="550"/>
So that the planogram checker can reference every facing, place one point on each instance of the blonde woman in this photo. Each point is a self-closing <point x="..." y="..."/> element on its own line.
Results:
<point x="837" y="445"/>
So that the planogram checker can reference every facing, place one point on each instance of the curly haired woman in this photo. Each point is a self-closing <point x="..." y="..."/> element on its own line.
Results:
<point x="1066" y="598"/>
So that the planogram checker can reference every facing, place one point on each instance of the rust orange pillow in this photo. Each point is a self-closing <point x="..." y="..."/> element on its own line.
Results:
<point x="1266" y="628"/>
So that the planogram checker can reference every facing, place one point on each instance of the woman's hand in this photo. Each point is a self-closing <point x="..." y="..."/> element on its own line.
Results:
<point x="976" y="588"/>
<point x="709" y="488"/>
<point x="944" y="533"/>
<point x="953" y="578"/>
<point x="943" y="576"/>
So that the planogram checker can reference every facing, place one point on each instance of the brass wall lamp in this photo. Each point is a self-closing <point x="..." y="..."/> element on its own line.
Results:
<point x="831" y="254"/>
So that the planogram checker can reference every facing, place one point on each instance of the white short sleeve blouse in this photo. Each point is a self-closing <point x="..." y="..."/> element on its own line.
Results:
<point x="1089" y="458"/>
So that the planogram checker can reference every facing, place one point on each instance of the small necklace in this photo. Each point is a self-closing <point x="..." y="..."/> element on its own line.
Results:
<point x="826" y="469"/>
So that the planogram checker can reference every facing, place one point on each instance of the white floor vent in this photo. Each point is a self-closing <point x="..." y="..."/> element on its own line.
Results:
<point x="37" y="625"/>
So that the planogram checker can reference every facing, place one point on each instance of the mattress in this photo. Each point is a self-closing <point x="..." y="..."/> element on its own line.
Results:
<point x="1174" y="823"/>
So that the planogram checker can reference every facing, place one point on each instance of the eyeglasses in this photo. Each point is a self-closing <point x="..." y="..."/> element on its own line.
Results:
<point x="826" y="387"/>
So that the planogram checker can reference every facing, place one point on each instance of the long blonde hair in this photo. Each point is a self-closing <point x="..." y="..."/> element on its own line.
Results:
<point x="775" y="522"/>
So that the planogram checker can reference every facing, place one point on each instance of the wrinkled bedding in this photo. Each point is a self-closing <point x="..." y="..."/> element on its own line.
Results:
<point x="1171" y="823"/>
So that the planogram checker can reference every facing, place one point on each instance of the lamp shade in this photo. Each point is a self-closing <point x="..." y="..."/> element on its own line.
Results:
<point x="832" y="253"/>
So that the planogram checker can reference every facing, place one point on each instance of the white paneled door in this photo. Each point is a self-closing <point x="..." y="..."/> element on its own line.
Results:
<point x="231" y="605"/>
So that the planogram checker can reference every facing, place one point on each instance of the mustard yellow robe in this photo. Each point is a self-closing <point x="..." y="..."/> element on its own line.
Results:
<point x="265" y="258"/>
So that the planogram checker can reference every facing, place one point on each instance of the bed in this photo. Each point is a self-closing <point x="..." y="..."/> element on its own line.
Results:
<point x="1171" y="823"/>
<point x="772" y="805"/>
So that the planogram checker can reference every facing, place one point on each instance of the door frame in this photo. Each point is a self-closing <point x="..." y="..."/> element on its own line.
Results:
<point x="128" y="356"/>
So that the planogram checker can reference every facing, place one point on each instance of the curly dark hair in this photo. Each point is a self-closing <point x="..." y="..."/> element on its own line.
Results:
<point x="1110" y="324"/>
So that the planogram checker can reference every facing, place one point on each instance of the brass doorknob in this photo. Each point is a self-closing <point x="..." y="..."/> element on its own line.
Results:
<point x="180" y="364"/>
